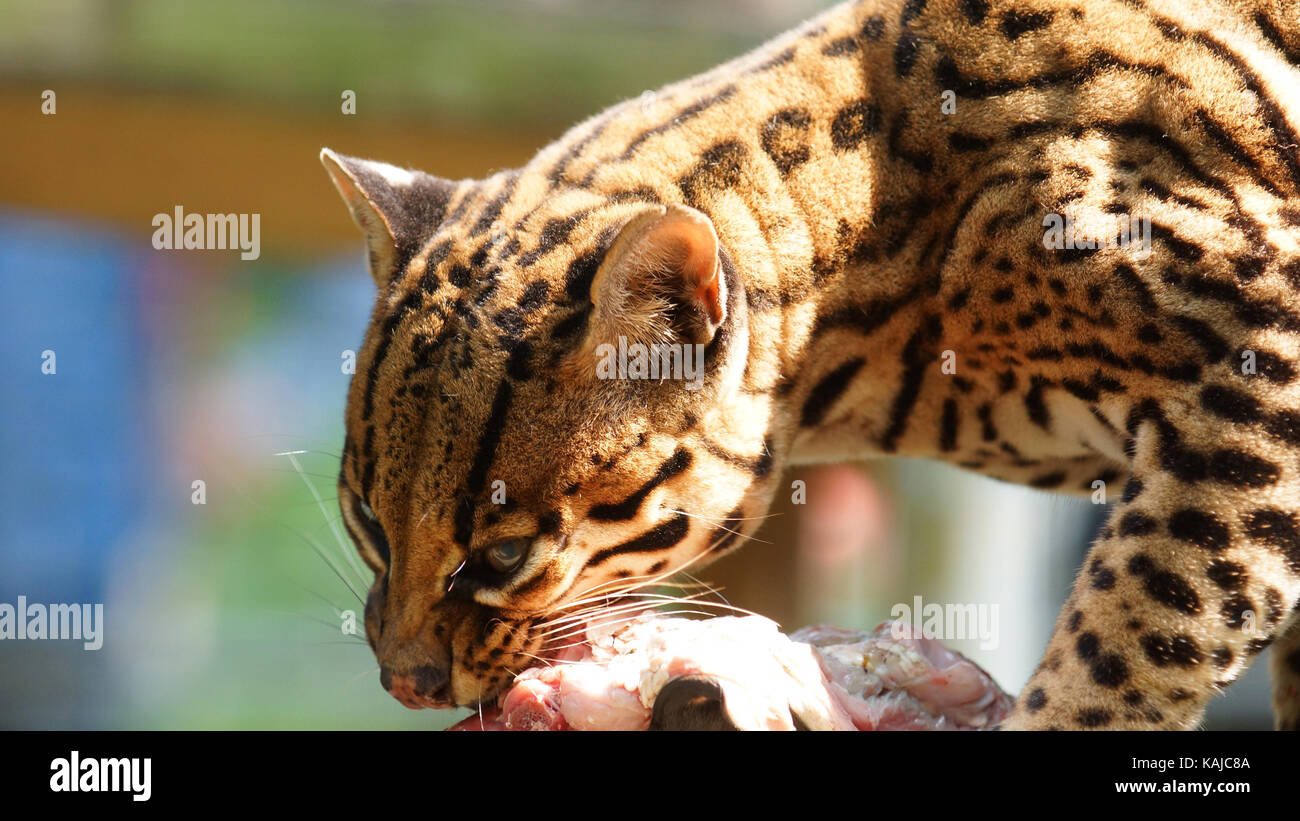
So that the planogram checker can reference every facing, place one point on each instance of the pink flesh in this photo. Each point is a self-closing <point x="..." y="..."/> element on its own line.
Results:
<point x="918" y="684"/>
<point x="878" y="680"/>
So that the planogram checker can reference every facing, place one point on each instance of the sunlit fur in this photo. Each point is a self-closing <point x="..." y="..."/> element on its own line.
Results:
<point x="865" y="236"/>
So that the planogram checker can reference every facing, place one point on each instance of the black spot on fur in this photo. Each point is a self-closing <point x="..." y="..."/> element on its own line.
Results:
<point x="975" y="10"/>
<point x="549" y="522"/>
<point x="842" y="46"/>
<point x="690" y="112"/>
<point x="1141" y="565"/>
<point x="1241" y="469"/>
<point x="519" y="364"/>
<point x="1035" y="700"/>
<point x="1227" y="575"/>
<point x="915" y="359"/>
<point x="1274" y="368"/>
<point x="1231" y="404"/>
<point x="854" y="124"/>
<point x="1235" y="609"/>
<point x="721" y="166"/>
<point x="534" y="295"/>
<point x="658" y="538"/>
<point x="948" y="426"/>
<point x="1135" y="523"/>
<point x="511" y="323"/>
<point x="988" y="432"/>
<point x="1180" y="248"/>
<point x="1200" y="332"/>
<point x="960" y="141"/>
<point x="1284" y="425"/>
<point x="785" y="140"/>
<point x="1016" y="23"/>
<point x="1172" y="590"/>
<point x="578" y="277"/>
<point x="1132" y="489"/>
<point x="825" y="393"/>
<point x="874" y="28"/>
<point x="776" y="61"/>
<point x="1277" y="529"/>
<point x="571" y="324"/>
<point x="911" y="10"/>
<point x="1035" y="405"/>
<point x="1048" y="481"/>
<point x="1088" y="646"/>
<point x="491" y="436"/>
<point x="906" y="50"/>
<point x="1179" y="651"/>
<point x="459" y="275"/>
<point x="1093" y="718"/>
<point x="1103" y="579"/>
<point x="1109" y="670"/>
<point x="1199" y="528"/>
<point x="674" y="465"/>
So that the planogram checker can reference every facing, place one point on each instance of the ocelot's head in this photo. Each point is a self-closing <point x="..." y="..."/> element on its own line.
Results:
<point x="547" y="409"/>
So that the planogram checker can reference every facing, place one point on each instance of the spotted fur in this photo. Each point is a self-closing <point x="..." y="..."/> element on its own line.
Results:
<point x="812" y="216"/>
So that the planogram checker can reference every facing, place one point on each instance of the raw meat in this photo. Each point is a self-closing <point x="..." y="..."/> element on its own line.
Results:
<point x="819" y="678"/>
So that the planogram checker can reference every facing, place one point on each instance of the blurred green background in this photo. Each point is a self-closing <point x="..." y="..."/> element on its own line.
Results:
<point x="177" y="367"/>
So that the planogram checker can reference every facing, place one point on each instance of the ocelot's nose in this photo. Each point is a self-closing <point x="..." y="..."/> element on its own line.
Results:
<point x="425" y="686"/>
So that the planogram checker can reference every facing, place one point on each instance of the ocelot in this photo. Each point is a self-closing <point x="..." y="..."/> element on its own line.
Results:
<point x="858" y="226"/>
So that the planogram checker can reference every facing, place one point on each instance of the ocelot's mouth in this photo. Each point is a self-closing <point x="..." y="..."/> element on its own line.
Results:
<point x="414" y="693"/>
<point x="570" y="667"/>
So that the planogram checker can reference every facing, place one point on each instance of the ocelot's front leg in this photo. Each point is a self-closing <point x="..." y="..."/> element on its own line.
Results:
<point x="1195" y="573"/>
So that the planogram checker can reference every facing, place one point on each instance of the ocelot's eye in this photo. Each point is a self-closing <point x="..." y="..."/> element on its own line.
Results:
<point x="505" y="556"/>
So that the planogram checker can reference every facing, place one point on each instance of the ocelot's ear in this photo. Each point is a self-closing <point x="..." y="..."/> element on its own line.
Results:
<point x="396" y="208"/>
<point x="660" y="282"/>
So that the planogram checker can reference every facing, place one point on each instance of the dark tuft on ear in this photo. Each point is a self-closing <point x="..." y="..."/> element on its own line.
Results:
<point x="395" y="207"/>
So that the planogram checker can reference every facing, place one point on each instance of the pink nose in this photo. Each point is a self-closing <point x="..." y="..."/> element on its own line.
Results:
<point x="424" y="687"/>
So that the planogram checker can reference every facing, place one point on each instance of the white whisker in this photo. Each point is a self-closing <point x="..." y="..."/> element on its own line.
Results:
<point x="320" y="552"/>
<point x="348" y="553"/>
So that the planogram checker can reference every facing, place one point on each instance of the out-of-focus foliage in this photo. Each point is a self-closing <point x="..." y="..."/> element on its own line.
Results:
<point x="496" y="61"/>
